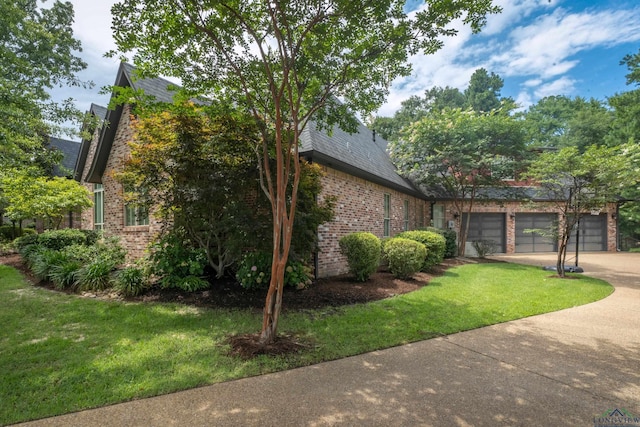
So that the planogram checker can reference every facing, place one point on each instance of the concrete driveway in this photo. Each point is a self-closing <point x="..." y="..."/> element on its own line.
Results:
<point x="562" y="368"/>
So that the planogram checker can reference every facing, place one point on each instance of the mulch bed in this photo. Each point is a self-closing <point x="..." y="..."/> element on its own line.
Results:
<point x="328" y="292"/>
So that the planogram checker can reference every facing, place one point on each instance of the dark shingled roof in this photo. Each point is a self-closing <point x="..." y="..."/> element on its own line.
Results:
<point x="157" y="87"/>
<point x="70" y="150"/>
<point x="359" y="154"/>
<point x="101" y="113"/>
<point x="362" y="154"/>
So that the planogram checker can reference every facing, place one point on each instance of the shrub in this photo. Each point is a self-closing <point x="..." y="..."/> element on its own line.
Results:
<point x="64" y="275"/>
<point x="26" y="240"/>
<point x="173" y="259"/>
<point x="362" y="250"/>
<point x="484" y="247"/>
<point x="97" y="275"/>
<point x="131" y="281"/>
<point x="450" y="236"/>
<point x="405" y="256"/>
<point x="434" y="242"/>
<point x="42" y="261"/>
<point x="190" y="284"/>
<point x="255" y="272"/>
<point x="58" y="239"/>
<point x="91" y="236"/>
<point x="9" y="232"/>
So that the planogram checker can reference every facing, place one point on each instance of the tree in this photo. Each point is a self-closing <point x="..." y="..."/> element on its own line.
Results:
<point x="560" y="121"/>
<point x="626" y="129"/>
<point x="483" y="92"/>
<point x="576" y="183"/>
<point x="458" y="154"/>
<point x="196" y="166"/>
<point x="29" y="196"/>
<point x="482" y="95"/>
<point x="287" y="63"/>
<point x="37" y="48"/>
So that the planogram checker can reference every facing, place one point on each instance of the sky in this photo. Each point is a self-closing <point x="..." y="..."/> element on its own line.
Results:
<point x="538" y="47"/>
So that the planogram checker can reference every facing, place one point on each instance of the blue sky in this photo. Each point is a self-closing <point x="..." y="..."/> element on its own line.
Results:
<point x="539" y="48"/>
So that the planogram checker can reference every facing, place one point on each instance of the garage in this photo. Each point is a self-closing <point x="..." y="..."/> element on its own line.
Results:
<point x="593" y="234"/>
<point x="487" y="226"/>
<point x="527" y="242"/>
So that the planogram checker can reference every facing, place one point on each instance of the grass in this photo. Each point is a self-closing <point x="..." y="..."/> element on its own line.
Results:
<point x="60" y="353"/>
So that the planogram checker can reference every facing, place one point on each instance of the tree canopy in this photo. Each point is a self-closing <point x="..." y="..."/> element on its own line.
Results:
<point x="287" y="63"/>
<point x="576" y="182"/>
<point x="481" y="95"/>
<point x="38" y="52"/>
<point x="458" y="153"/>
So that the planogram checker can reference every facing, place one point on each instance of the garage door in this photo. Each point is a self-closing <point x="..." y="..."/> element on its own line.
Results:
<point x="534" y="242"/>
<point x="593" y="234"/>
<point x="487" y="226"/>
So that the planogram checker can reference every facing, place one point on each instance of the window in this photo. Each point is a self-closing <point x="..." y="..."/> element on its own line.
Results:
<point x="98" y="206"/>
<point x="135" y="214"/>
<point x="387" y="215"/>
<point x="421" y="215"/>
<point x="405" y="225"/>
<point x="437" y="214"/>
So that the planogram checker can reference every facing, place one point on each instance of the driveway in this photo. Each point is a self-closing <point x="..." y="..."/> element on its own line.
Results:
<point x="562" y="368"/>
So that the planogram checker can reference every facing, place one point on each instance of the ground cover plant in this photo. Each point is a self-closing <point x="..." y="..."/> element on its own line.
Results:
<point x="61" y="353"/>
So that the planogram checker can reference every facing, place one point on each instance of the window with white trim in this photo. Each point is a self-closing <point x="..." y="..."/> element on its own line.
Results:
<point x="387" y="215"/>
<point x="98" y="206"/>
<point x="437" y="214"/>
<point x="135" y="214"/>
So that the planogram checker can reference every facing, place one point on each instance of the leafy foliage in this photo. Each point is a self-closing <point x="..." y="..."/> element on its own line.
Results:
<point x="29" y="196"/>
<point x="287" y="63"/>
<point x="60" y="239"/>
<point x="579" y="182"/>
<point x="173" y="259"/>
<point x="405" y="256"/>
<point x="131" y="281"/>
<point x="254" y="272"/>
<point x="457" y="153"/>
<point x="38" y="53"/>
<point x="362" y="250"/>
<point x="435" y="245"/>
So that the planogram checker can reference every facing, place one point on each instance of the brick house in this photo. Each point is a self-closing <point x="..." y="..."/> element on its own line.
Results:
<point x="371" y="195"/>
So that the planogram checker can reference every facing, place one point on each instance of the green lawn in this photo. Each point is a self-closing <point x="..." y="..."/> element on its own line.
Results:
<point x="60" y="353"/>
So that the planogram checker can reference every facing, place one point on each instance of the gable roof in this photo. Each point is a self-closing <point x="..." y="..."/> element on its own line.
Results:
<point x="69" y="150"/>
<point x="100" y="112"/>
<point x="157" y="87"/>
<point x="362" y="154"/>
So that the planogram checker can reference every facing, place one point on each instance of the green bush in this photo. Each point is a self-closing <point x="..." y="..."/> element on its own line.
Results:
<point x="97" y="275"/>
<point x="362" y="250"/>
<point x="451" y="247"/>
<point x="64" y="275"/>
<point x="174" y="260"/>
<point x="434" y="242"/>
<point x="26" y="240"/>
<point x="131" y="281"/>
<point x="254" y="272"/>
<point x="9" y="232"/>
<point x="58" y="239"/>
<point x="484" y="247"/>
<point x="405" y="256"/>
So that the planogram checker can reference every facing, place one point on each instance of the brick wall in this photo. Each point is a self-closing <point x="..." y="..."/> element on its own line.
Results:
<point x="134" y="238"/>
<point x="512" y="208"/>
<point x="360" y="207"/>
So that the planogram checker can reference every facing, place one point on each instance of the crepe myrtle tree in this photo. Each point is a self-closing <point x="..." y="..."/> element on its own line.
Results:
<point x="287" y="63"/>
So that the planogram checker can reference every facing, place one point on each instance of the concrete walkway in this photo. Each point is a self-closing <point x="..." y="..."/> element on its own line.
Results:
<point x="561" y="368"/>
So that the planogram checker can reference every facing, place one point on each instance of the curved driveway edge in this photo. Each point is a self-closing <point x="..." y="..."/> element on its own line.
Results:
<point x="562" y="368"/>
